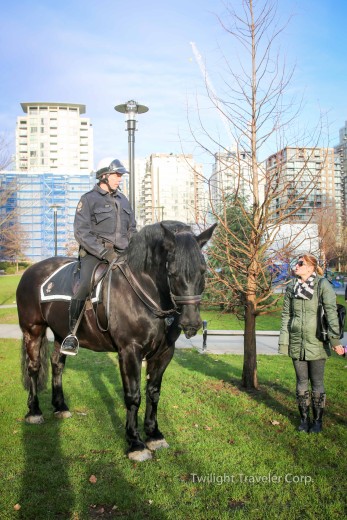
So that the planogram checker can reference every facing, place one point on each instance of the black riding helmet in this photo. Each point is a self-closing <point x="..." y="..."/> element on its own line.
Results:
<point x="108" y="166"/>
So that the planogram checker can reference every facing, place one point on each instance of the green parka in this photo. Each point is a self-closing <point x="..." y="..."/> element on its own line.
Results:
<point x="299" y="323"/>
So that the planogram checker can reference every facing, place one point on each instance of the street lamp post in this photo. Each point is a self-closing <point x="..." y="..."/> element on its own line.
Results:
<point x="131" y="108"/>
<point x="55" y="208"/>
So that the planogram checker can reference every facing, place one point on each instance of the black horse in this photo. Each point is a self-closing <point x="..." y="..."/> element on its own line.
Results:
<point x="153" y="294"/>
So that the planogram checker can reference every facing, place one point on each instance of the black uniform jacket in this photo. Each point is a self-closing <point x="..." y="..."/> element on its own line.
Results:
<point x="103" y="220"/>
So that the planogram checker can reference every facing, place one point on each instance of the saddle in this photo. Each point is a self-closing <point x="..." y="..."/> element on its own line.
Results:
<point x="64" y="282"/>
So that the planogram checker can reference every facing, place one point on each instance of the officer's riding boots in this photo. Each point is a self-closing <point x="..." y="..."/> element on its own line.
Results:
<point x="318" y="405"/>
<point x="70" y="344"/>
<point x="304" y="409"/>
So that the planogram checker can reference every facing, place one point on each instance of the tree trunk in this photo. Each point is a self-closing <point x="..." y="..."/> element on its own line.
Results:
<point x="249" y="373"/>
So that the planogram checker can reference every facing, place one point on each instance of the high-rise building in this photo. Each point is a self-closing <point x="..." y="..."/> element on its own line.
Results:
<point x="341" y="160"/>
<point x="139" y="174"/>
<point x="54" y="137"/>
<point x="232" y="175"/>
<point x="308" y="183"/>
<point x="172" y="189"/>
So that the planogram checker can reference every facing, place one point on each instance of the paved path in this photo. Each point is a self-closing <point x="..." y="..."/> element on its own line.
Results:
<point x="232" y="344"/>
<point x="267" y="342"/>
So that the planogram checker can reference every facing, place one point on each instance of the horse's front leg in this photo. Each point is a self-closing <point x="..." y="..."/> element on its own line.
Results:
<point x="130" y="361"/>
<point x="156" y="367"/>
<point x="61" y="411"/>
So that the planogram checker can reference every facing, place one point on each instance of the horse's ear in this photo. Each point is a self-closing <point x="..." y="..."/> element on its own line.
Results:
<point x="169" y="242"/>
<point x="205" y="236"/>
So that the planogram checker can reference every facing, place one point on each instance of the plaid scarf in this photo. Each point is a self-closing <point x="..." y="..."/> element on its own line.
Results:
<point x="304" y="290"/>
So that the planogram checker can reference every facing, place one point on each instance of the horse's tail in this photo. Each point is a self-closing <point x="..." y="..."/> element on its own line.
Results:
<point x="43" y="362"/>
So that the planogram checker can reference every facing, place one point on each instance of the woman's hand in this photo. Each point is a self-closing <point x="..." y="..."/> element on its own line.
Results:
<point x="340" y="350"/>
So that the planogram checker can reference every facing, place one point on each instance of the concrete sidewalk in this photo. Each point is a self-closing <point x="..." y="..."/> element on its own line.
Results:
<point x="267" y="342"/>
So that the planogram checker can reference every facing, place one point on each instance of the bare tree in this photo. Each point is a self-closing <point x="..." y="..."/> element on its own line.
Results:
<point x="5" y="156"/>
<point x="71" y="246"/>
<point x="281" y="201"/>
<point x="13" y="239"/>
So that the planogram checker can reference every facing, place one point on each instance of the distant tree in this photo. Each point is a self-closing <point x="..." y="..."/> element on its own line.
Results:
<point x="13" y="239"/>
<point x="223" y="281"/>
<point x="13" y="242"/>
<point x="330" y="233"/>
<point x="71" y="246"/>
<point x="5" y="156"/>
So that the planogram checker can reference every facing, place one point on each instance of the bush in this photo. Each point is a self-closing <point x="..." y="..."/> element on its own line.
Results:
<point x="10" y="267"/>
<point x="11" y="270"/>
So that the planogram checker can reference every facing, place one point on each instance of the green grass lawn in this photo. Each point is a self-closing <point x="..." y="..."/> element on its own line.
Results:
<point x="8" y="286"/>
<point x="233" y="454"/>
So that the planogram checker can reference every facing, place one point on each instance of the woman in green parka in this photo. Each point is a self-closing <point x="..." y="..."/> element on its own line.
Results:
<point x="298" y="337"/>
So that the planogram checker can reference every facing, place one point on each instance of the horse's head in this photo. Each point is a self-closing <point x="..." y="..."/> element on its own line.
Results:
<point x="186" y="274"/>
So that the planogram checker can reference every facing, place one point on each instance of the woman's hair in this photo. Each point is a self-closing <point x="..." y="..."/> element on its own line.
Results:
<point x="312" y="260"/>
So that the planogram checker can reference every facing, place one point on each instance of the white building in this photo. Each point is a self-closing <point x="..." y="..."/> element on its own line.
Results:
<point x="54" y="137"/>
<point x="232" y="175"/>
<point x="140" y="172"/>
<point x="172" y="189"/>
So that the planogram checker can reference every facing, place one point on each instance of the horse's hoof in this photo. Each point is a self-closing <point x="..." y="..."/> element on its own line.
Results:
<point x="157" y="444"/>
<point x="34" y="419"/>
<point x="64" y="414"/>
<point x="140" y="456"/>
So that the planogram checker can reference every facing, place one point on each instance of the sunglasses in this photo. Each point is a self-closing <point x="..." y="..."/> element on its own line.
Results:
<point x="300" y="263"/>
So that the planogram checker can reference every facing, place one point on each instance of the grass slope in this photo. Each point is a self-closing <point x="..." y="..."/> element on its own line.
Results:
<point x="232" y="453"/>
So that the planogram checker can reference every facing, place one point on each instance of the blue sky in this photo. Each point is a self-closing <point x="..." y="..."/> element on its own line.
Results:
<point x="104" y="53"/>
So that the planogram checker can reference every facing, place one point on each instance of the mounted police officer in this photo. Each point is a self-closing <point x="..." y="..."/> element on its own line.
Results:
<point x="104" y="223"/>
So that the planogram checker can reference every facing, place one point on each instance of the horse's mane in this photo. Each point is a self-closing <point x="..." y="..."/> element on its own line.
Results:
<point x="146" y="249"/>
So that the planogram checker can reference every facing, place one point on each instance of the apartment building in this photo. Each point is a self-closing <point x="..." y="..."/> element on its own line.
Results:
<point x="172" y="189"/>
<point x="307" y="183"/>
<point x="232" y="174"/>
<point x="341" y="161"/>
<point x="54" y="137"/>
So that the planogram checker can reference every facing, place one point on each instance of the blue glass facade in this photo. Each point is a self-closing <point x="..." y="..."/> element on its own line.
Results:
<point x="31" y="204"/>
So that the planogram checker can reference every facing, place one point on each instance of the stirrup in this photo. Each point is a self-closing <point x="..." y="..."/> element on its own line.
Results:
<point x="70" y="345"/>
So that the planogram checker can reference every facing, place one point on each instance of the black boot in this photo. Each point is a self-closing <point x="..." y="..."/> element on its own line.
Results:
<point x="304" y="409"/>
<point x="70" y="344"/>
<point x="318" y="405"/>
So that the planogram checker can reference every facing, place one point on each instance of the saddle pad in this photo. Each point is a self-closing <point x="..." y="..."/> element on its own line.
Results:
<point x="59" y="286"/>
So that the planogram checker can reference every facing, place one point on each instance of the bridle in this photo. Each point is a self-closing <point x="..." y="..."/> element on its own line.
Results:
<point x="194" y="299"/>
<point x="146" y="299"/>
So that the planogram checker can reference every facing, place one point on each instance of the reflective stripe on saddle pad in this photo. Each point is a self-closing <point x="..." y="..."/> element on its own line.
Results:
<point x="62" y="284"/>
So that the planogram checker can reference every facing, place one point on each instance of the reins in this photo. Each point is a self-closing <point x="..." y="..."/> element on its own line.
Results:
<point x="142" y="294"/>
<point x="138" y="290"/>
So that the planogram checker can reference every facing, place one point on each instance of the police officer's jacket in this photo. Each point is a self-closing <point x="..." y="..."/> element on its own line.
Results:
<point x="103" y="220"/>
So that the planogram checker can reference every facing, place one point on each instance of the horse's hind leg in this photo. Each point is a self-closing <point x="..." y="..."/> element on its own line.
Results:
<point x="34" y="368"/>
<point x="61" y="411"/>
<point x="156" y="367"/>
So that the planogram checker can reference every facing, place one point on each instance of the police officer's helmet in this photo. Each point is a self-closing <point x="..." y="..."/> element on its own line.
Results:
<point x="109" y="166"/>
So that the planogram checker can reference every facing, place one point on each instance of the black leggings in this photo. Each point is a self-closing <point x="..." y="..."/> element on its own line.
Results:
<point x="88" y="264"/>
<point x="309" y="371"/>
